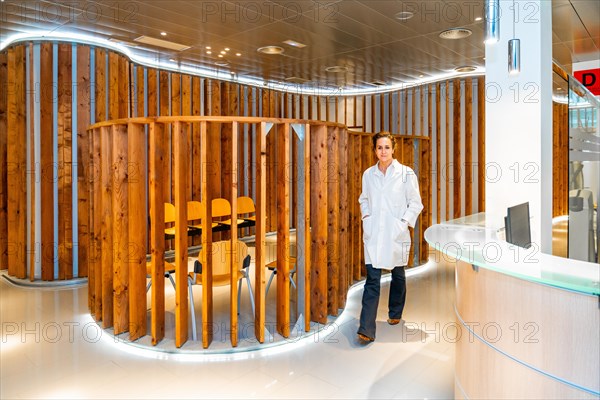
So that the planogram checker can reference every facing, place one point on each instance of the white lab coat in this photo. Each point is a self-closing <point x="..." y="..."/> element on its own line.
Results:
<point x="385" y="201"/>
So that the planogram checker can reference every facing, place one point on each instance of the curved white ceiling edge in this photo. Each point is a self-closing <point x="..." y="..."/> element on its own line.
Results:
<point x="226" y="75"/>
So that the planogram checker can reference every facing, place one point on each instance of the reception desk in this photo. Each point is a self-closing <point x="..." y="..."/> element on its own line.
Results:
<point x="529" y="323"/>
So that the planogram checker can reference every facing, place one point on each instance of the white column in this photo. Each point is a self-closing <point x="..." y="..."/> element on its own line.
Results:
<point x="518" y="138"/>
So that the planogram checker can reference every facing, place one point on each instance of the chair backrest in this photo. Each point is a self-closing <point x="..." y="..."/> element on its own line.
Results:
<point x="245" y="205"/>
<point x="221" y="258"/>
<point x="221" y="208"/>
<point x="194" y="210"/>
<point x="169" y="213"/>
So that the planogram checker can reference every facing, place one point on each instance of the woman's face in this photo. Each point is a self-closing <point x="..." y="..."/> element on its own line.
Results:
<point x="384" y="150"/>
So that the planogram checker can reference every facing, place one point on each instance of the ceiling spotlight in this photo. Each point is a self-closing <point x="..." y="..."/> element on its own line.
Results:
<point x="220" y="55"/>
<point x="455" y="33"/>
<point x="404" y="15"/>
<point x="238" y="54"/>
<point x="293" y="43"/>
<point x="209" y="52"/>
<point x="270" y="50"/>
<point x="226" y="49"/>
<point x="163" y="34"/>
<point x="478" y="19"/>
<point x="465" y="68"/>
<point x="420" y="76"/>
<point x="492" y="21"/>
<point x="337" y="69"/>
<point x="207" y="47"/>
<point x="223" y="52"/>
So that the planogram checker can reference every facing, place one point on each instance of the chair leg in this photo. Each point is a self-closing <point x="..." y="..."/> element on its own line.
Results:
<point x="194" y="337"/>
<point x="292" y="281"/>
<point x="148" y="286"/>
<point x="251" y="294"/>
<point x="269" y="284"/>
<point x="172" y="281"/>
<point x="239" y="295"/>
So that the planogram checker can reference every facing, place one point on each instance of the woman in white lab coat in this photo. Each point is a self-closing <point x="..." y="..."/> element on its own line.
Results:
<point x="390" y="202"/>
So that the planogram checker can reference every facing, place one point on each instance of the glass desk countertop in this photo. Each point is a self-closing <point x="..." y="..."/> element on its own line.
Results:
<point x="470" y="239"/>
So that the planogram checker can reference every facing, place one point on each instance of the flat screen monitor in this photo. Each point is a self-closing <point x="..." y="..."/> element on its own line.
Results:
<point x="517" y="227"/>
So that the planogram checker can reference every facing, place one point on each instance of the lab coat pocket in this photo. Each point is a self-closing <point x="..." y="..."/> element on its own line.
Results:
<point x="400" y="230"/>
<point x="367" y="228"/>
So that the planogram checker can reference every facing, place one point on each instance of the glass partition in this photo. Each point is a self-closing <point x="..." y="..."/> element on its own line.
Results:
<point x="584" y="173"/>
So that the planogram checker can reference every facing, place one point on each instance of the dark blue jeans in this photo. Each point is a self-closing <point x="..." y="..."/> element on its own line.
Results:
<point x="370" y="299"/>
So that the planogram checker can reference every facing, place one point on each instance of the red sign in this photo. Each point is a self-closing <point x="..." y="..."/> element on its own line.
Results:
<point x="590" y="78"/>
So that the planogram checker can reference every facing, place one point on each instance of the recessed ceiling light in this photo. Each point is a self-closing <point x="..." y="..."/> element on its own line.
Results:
<point x="226" y="49"/>
<point x="420" y="76"/>
<point x="209" y="52"/>
<point x="456" y="33"/>
<point x="293" y="43"/>
<point x="223" y="52"/>
<point x="478" y="19"/>
<point x="465" y="68"/>
<point x="163" y="34"/>
<point x="337" y="69"/>
<point x="172" y="59"/>
<point x="270" y="50"/>
<point x="208" y="47"/>
<point x="220" y="55"/>
<point x="238" y="54"/>
<point x="404" y="15"/>
<point x="558" y="88"/>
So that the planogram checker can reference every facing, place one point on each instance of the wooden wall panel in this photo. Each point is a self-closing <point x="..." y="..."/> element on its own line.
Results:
<point x="560" y="155"/>
<point x="96" y="214"/>
<point x="3" y="166"/>
<point x="456" y="151"/>
<point x="181" y="245"/>
<point x="333" y="219"/>
<point x="195" y="147"/>
<point x="120" y="223"/>
<point x="481" y="144"/>
<point x="84" y="166"/>
<point x="105" y="214"/>
<point x="123" y="91"/>
<point x="16" y="159"/>
<point x="65" y="150"/>
<point x="158" y="165"/>
<point x="100" y="85"/>
<point x="283" y="231"/>
<point x="468" y="147"/>
<point x="114" y="101"/>
<point x="206" y="259"/>
<point x="47" y="160"/>
<point x="261" y="211"/>
<point x="318" y="217"/>
<point x="344" y="211"/>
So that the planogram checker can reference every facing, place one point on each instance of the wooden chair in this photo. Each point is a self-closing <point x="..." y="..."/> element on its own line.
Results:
<point x="221" y="272"/>
<point x="222" y="208"/>
<point x="195" y="213"/>
<point x="272" y="266"/>
<point x="169" y="271"/>
<point x="246" y="205"/>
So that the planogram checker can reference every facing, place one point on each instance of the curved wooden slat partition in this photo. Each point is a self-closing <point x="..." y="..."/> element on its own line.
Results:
<point x="324" y="183"/>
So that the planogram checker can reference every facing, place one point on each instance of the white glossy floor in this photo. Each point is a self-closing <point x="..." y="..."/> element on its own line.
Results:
<point x="50" y="348"/>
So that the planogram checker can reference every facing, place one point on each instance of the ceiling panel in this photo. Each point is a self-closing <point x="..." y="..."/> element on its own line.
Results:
<point x="363" y="35"/>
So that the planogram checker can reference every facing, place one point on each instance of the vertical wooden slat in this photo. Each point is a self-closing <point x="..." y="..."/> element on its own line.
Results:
<point x="405" y="92"/>
<point x="163" y="110"/>
<point x="226" y="142"/>
<point x="318" y="156"/>
<point x="96" y="213"/>
<point x="114" y="102"/>
<point x="438" y="155"/>
<point x="157" y="159"/>
<point x="214" y="135"/>
<point x="234" y="267"/>
<point x="123" y="88"/>
<point x="186" y="109"/>
<point x="481" y="143"/>
<point x="356" y="221"/>
<point x="65" y="184"/>
<point x="456" y="151"/>
<point x="261" y="211"/>
<point x="413" y="122"/>
<point x="307" y="231"/>
<point x="283" y="231"/>
<point x="106" y="218"/>
<point x="425" y="168"/>
<point x="4" y="84"/>
<point x="195" y="150"/>
<point x="468" y="146"/>
<point x="136" y="179"/>
<point x="100" y="85"/>
<point x="120" y="233"/>
<point x="140" y="91"/>
<point x="447" y="164"/>
<point x="181" y="265"/>
<point x="344" y="237"/>
<point x="47" y="160"/>
<point x="84" y="169"/>
<point x="333" y="219"/>
<point x="207" y="289"/>
<point x="16" y="159"/>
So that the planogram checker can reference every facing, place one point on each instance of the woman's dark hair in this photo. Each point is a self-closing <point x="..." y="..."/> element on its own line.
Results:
<point x="383" y="134"/>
